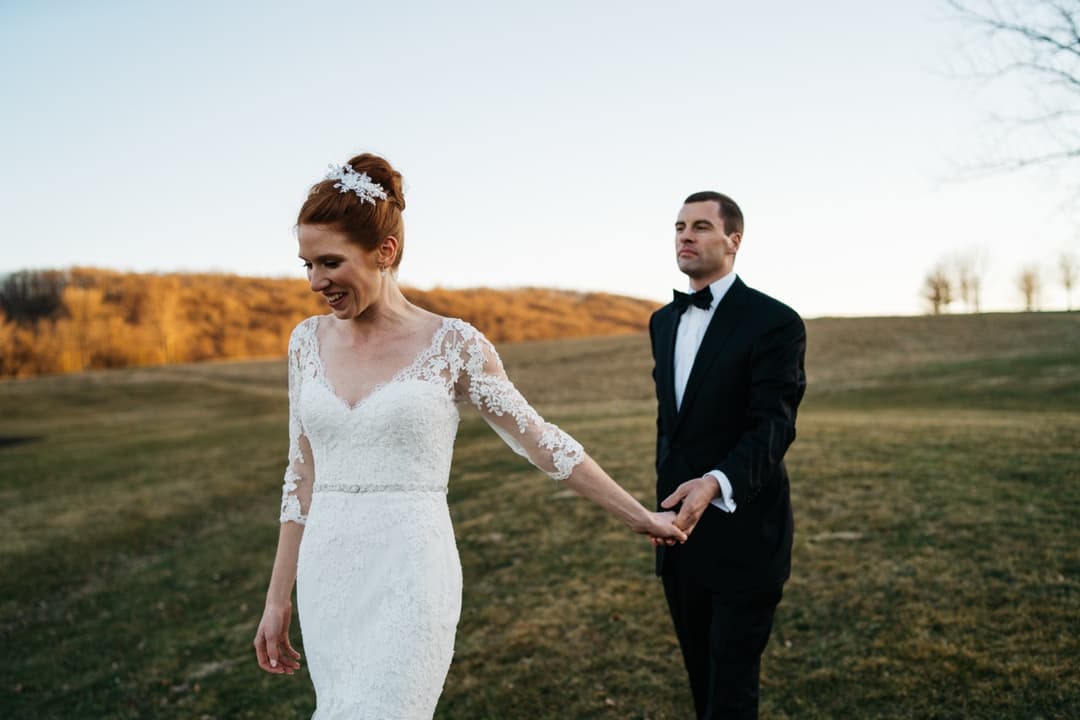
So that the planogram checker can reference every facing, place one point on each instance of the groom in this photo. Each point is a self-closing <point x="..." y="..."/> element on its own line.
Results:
<point x="728" y="367"/>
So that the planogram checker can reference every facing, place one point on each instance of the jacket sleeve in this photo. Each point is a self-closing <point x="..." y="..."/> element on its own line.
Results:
<point x="656" y="385"/>
<point x="777" y="384"/>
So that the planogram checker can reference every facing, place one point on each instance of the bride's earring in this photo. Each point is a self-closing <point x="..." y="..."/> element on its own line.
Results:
<point x="382" y="270"/>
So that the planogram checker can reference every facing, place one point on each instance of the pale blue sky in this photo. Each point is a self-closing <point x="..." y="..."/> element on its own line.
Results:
<point x="545" y="144"/>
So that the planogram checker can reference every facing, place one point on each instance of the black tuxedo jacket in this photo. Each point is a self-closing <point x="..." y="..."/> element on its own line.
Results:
<point x="737" y="416"/>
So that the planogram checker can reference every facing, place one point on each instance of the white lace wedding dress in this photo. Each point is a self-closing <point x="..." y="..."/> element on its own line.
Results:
<point x="378" y="578"/>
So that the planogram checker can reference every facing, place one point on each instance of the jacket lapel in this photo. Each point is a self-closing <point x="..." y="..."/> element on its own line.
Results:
<point x="725" y="319"/>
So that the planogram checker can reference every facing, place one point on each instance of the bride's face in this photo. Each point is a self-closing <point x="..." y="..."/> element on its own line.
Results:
<point x="346" y="275"/>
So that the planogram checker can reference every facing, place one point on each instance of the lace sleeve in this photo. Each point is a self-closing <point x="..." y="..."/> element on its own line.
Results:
<point x="299" y="473"/>
<point x="481" y="381"/>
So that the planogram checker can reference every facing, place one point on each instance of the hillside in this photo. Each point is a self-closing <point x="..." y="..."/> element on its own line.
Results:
<point x="83" y="318"/>
<point x="936" y="568"/>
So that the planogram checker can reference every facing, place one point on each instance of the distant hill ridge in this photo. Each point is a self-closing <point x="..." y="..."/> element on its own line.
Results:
<point x="58" y="321"/>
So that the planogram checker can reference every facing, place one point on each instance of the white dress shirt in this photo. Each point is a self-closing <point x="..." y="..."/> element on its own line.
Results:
<point x="692" y="326"/>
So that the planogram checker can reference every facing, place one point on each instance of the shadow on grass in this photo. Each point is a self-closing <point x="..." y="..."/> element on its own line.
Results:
<point x="12" y="440"/>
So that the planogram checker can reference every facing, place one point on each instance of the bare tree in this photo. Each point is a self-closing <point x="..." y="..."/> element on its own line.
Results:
<point x="938" y="290"/>
<point x="1038" y="43"/>
<point x="969" y="268"/>
<point x="1030" y="284"/>
<point x="1069" y="267"/>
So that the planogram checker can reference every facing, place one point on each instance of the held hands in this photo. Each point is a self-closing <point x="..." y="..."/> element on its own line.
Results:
<point x="695" y="495"/>
<point x="272" y="647"/>
<point x="661" y="528"/>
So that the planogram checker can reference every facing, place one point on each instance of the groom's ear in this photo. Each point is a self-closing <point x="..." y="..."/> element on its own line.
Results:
<point x="735" y="239"/>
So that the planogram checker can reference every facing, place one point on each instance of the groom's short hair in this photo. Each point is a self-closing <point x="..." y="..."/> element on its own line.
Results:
<point x="729" y="211"/>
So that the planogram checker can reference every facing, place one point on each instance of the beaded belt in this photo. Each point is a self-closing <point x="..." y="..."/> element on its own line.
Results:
<point x="393" y="487"/>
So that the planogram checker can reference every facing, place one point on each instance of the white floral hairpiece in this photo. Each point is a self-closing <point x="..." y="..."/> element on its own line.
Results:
<point x="348" y="179"/>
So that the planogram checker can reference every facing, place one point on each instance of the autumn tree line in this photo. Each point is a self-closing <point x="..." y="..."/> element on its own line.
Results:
<point x="960" y="280"/>
<point x="58" y="321"/>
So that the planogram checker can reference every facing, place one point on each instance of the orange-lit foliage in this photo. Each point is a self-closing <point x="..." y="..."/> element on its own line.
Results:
<point x="112" y="319"/>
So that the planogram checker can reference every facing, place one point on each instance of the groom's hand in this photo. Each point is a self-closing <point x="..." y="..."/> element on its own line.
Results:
<point x="695" y="495"/>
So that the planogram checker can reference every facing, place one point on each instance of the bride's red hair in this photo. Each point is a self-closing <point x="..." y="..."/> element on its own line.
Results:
<point x="361" y="222"/>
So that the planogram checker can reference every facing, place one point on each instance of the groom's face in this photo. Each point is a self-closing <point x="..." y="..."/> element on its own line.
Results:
<point x="703" y="250"/>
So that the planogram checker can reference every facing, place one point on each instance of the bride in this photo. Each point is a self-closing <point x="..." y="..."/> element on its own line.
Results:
<point x="374" y="389"/>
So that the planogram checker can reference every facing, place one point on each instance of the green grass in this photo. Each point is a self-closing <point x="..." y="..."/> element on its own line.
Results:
<point x="936" y="571"/>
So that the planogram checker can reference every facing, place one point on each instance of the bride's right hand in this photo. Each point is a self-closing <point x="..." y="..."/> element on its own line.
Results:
<point x="272" y="647"/>
<point x="662" y="530"/>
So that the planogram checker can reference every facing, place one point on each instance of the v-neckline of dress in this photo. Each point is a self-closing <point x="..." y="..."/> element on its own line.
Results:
<point x="419" y="359"/>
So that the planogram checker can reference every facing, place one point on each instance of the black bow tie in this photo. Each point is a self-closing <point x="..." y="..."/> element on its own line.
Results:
<point x="702" y="299"/>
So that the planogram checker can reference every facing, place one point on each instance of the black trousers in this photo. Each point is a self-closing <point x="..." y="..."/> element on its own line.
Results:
<point x="722" y="637"/>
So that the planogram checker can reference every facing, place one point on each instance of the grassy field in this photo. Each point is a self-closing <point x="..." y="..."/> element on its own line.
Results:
<point x="936" y="483"/>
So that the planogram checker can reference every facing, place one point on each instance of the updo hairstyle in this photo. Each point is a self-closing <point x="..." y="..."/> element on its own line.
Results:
<point x="360" y="221"/>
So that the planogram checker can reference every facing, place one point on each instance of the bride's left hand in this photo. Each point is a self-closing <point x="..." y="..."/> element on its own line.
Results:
<point x="662" y="529"/>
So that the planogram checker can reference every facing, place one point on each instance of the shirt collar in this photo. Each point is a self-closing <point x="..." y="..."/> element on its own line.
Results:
<point x="719" y="289"/>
